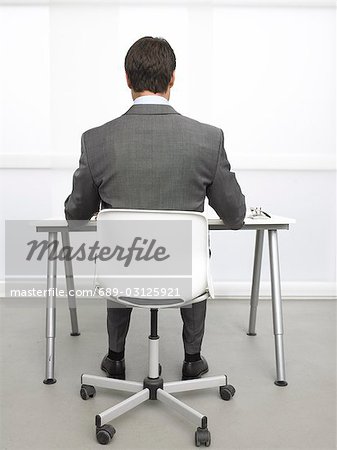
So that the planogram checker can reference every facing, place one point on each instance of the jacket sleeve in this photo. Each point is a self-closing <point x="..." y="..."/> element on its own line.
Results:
<point x="84" y="200"/>
<point x="224" y="193"/>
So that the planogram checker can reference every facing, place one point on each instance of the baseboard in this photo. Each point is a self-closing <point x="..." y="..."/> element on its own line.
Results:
<point x="241" y="289"/>
<point x="290" y="289"/>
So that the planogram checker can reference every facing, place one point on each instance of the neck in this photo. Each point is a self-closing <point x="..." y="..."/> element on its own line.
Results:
<point x="159" y="94"/>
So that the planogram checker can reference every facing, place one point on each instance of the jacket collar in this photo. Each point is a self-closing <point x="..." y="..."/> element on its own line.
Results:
<point x="151" y="109"/>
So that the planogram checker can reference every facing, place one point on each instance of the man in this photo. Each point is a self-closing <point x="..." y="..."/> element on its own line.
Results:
<point x="154" y="158"/>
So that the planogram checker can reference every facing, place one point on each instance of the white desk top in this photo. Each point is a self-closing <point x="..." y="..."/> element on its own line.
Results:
<point x="214" y="223"/>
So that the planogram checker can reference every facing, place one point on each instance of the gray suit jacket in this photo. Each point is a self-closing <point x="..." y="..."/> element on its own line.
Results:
<point x="154" y="158"/>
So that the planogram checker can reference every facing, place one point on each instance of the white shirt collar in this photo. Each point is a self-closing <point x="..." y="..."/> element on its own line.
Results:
<point x="151" y="100"/>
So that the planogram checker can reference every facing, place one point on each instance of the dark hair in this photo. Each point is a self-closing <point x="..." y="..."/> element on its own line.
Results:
<point x="149" y="64"/>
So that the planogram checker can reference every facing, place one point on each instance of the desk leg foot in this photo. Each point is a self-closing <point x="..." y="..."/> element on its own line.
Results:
<point x="75" y="334"/>
<point x="49" y="381"/>
<point x="281" y="383"/>
<point x="254" y="296"/>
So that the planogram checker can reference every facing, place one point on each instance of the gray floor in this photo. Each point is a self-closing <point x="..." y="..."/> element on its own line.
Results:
<point x="260" y="416"/>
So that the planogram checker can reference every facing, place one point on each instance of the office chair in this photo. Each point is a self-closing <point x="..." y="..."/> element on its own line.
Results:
<point x="185" y="235"/>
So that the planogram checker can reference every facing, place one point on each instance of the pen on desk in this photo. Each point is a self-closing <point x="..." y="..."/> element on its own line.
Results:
<point x="266" y="214"/>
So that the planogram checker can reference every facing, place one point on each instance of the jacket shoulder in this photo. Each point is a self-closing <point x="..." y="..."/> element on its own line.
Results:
<point x="203" y="130"/>
<point x="100" y="130"/>
<point x="201" y="125"/>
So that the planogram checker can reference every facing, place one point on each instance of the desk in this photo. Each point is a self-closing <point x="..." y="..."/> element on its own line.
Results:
<point x="260" y="225"/>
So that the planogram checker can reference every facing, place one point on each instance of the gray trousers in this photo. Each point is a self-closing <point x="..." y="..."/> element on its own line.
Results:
<point x="118" y="322"/>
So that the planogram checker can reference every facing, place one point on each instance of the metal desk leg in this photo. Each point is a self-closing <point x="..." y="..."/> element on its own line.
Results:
<point x="50" y="310"/>
<point x="68" y="269"/>
<point x="254" y="296"/>
<point x="277" y="308"/>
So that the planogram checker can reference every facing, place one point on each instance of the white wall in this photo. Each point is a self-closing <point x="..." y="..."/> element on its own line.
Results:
<point x="266" y="75"/>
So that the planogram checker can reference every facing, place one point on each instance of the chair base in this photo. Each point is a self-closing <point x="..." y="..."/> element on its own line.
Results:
<point x="153" y="389"/>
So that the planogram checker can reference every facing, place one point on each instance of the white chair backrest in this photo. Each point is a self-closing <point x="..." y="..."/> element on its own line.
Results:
<point x="159" y="258"/>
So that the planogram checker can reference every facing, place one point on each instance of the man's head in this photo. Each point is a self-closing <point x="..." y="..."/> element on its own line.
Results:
<point x="149" y="66"/>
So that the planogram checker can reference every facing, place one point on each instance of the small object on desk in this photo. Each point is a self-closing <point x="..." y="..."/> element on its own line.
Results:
<point x="258" y="213"/>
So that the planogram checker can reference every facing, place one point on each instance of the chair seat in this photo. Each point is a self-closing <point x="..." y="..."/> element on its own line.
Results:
<point x="151" y="303"/>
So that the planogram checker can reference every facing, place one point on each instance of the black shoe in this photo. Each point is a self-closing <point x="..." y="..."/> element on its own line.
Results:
<point x="114" y="369"/>
<point x="195" y="369"/>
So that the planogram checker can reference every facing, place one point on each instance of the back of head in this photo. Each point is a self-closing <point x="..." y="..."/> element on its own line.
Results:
<point x="149" y="65"/>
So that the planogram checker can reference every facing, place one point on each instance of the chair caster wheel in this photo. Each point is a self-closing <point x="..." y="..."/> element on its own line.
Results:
<point x="87" y="391"/>
<point x="227" y="392"/>
<point x="105" y="433"/>
<point x="202" y="437"/>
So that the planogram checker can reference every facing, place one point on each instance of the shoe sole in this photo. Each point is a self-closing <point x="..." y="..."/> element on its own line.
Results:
<point x="185" y="378"/>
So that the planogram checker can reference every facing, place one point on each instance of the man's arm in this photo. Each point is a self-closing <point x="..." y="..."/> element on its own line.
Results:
<point x="224" y="193"/>
<point x="84" y="200"/>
